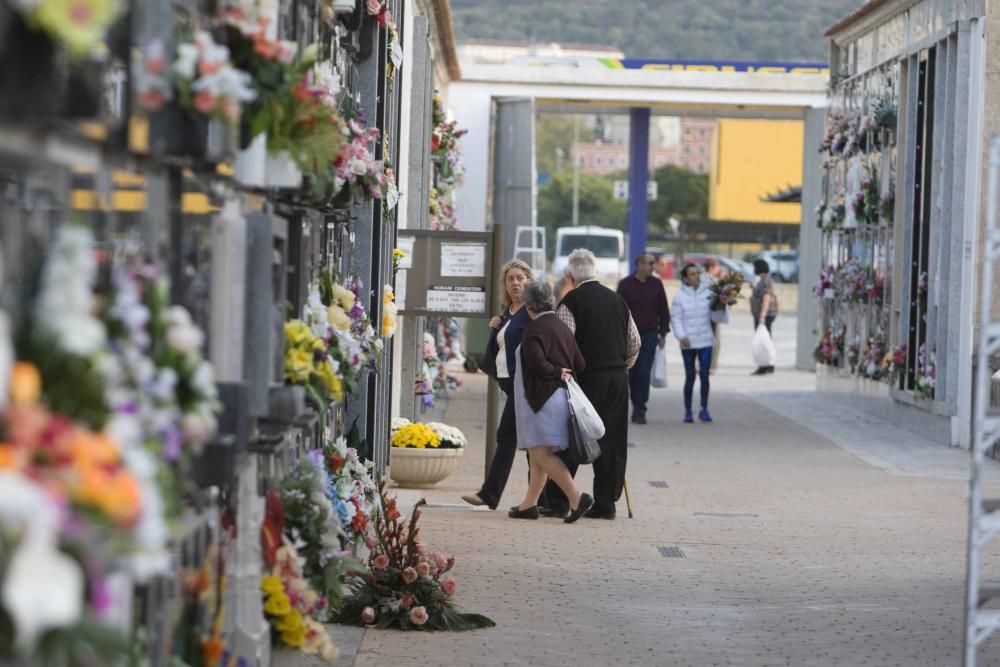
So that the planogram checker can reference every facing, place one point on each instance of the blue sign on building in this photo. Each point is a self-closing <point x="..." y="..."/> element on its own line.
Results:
<point x="766" y="67"/>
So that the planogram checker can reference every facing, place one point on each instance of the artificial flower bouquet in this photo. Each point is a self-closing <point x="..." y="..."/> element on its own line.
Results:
<point x="834" y="214"/>
<point x="894" y="363"/>
<point x="200" y="78"/>
<point x="830" y="349"/>
<point x="71" y="508"/>
<point x="405" y="586"/>
<point x="308" y="364"/>
<point x="355" y="165"/>
<point x="351" y="488"/>
<point x="726" y="291"/>
<point x="79" y="26"/>
<point x="826" y="287"/>
<point x="870" y="366"/>
<point x="925" y="377"/>
<point x="389" y="322"/>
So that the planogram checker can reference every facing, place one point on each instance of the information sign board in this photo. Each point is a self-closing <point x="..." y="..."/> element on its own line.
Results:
<point x="445" y="273"/>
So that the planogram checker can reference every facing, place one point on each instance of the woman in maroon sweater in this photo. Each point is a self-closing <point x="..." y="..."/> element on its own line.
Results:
<point x="549" y="356"/>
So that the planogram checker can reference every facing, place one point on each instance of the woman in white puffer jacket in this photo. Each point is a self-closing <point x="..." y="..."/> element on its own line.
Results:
<point x="690" y="318"/>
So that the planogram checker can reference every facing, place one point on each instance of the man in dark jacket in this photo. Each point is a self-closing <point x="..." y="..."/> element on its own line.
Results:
<point x="609" y="341"/>
<point x="647" y="301"/>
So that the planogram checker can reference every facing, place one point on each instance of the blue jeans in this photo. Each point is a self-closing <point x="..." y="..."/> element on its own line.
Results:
<point x="638" y="375"/>
<point x="704" y="357"/>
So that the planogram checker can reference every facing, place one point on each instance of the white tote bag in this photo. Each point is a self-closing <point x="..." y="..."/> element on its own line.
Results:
<point x="762" y="347"/>
<point x="586" y="415"/>
<point x="659" y="379"/>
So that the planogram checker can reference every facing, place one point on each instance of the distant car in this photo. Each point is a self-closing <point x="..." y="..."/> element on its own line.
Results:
<point x="784" y="264"/>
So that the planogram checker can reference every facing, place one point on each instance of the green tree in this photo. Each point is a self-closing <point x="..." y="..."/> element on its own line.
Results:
<point x="598" y="205"/>
<point x="681" y="193"/>
<point x="553" y="132"/>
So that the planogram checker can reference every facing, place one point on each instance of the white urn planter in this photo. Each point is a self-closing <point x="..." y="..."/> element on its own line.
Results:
<point x="422" y="468"/>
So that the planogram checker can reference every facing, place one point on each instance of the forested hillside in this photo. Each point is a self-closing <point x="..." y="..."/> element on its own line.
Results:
<point x="687" y="29"/>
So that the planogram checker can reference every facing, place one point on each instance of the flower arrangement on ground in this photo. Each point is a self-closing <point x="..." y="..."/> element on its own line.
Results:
<point x="405" y="586"/>
<point x="308" y="364"/>
<point x="830" y="350"/>
<point x="726" y="291"/>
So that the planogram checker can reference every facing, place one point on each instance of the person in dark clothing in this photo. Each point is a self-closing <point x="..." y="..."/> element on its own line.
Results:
<point x="763" y="303"/>
<point x="609" y="341"/>
<point x="647" y="301"/>
<point x="500" y="362"/>
<point x="549" y="357"/>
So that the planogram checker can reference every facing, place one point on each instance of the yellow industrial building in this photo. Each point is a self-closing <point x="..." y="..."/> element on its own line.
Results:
<point x="755" y="159"/>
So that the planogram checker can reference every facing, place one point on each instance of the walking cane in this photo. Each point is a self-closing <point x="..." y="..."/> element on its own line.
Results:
<point x="628" y="500"/>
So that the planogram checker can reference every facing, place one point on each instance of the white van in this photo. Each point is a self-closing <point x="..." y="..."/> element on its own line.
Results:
<point x="608" y="246"/>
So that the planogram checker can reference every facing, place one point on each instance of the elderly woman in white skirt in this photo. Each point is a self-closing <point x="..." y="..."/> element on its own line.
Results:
<point x="549" y="356"/>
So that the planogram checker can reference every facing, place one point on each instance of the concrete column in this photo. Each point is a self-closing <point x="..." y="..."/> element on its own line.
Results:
<point x="638" y="176"/>
<point x="810" y="238"/>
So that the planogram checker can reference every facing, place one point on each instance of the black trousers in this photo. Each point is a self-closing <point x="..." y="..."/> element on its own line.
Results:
<point x="608" y="391"/>
<point x="503" y="459"/>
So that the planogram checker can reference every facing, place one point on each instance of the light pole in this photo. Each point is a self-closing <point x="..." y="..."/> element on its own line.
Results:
<point x="576" y="170"/>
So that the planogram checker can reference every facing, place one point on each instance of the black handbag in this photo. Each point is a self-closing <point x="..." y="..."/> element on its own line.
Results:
<point x="581" y="450"/>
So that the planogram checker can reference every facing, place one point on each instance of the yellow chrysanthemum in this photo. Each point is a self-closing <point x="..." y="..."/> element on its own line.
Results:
<point x="271" y="585"/>
<point x="418" y="436"/>
<point x="80" y="24"/>
<point x="278" y="604"/>
<point x="338" y="318"/>
<point x="297" y="333"/>
<point x="389" y="322"/>
<point x="298" y="365"/>
<point x="330" y="380"/>
<point x="292" y="629"/>
<point x="344" y="297"/>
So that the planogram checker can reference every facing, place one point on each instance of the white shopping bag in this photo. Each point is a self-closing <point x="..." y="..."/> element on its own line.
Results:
<point x="659" y="379"/>
<point x="762" y="347"/>
<point x="591" y="426"/>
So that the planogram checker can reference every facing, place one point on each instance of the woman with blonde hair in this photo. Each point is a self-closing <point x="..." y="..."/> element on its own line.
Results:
<point x="500" y="363"/>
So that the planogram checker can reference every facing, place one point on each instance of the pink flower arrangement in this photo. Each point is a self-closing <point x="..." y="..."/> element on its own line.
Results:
<point x="827" y="281"/>
<point x="394" y="591"/>
<point x="356" y="166"/>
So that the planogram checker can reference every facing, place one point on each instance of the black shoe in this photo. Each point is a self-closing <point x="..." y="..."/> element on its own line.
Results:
<point x="760" y="371"/>
<point x="553" y="512"/>
<point x="638" y="418"/>
<point x="517" y="513"/>
<point x="599" y="512"/>
<point x="476" y="501"/>
<point x="586" y="502"/>
<point x="769" y="369"/>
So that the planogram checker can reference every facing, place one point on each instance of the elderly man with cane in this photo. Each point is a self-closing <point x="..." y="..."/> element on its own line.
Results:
<point x="609" y="340"/>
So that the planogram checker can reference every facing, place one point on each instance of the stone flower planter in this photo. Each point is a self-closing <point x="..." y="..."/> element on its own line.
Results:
<point x="422" y="468"/>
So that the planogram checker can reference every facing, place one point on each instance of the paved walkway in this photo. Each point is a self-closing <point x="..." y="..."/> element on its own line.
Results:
<point x="803" y="542"/>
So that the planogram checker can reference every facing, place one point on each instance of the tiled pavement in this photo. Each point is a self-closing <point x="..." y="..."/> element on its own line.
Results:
<point x="796" y="551"/>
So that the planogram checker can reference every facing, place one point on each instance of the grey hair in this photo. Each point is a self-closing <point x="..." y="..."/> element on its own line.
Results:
<point x="581" y="265"/>
<point x="538" y="297"/>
